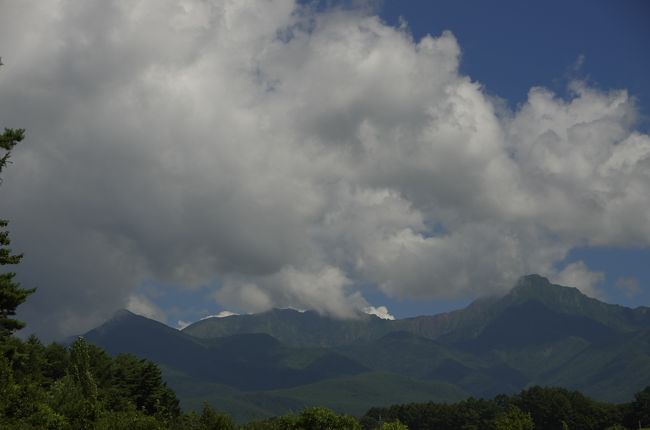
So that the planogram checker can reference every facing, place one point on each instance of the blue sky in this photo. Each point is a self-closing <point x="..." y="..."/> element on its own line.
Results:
<point x="224" y="155"/>
<point x="511" y="46"/>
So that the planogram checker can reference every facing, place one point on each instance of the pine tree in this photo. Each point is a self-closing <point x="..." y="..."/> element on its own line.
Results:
<point x="8" y="139"/>
<point x="11" y="294"/>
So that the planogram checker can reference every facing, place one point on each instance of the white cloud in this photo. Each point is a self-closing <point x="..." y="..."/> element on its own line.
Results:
<point x="139" y="304"/>
<point x="380" y="311"/>
<point x="577" y="275"/>
<point x="222" y="314"/>
<point x="182" y="324"/>
<point x="324" y="290"/>
<point x="290" y="155"/>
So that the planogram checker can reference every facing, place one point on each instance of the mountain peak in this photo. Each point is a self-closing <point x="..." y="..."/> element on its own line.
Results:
<point x="570" y="300"/>
<point x="538" y="287"/>
<point x="122" y="313"/>
<point x="533" y="280"/>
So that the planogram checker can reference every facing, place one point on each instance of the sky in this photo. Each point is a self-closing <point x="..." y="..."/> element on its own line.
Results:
<point x="188" y="158"/>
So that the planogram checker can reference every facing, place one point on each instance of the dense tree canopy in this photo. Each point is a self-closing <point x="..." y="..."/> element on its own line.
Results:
<point x="544" y="408"/>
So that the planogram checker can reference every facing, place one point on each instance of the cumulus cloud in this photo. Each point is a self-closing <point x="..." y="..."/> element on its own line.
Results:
<point x="379" y="311"/>
<point x="141" y="305"/>
<point x="323" y="290"/>
<point x="288" y="155"/>
<point x="579" y="276"/>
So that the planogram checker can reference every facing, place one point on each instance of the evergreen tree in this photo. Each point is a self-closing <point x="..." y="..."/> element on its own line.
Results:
<point x="10" y="138"/>
<point x="213" y="420"/>
<point x="11" y="294"/>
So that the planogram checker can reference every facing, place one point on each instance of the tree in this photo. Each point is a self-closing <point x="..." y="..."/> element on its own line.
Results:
<point x="75" y="395"/>
<point x="393" y="425"/>
<point x="320" y="418"/>
<point x="514" y="419"/>
<point x="10" y="138"/>
<point x="213" y="420"/>
<point x="640" y="410"/>
<point x="11" y="294"/>
<point x="140" y="381"/>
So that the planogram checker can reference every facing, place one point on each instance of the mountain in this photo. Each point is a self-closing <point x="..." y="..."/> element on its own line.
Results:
<point x="250" y="361"/>
<point x="302" y="329"/>
<point x="533" y="291"/>
<point x="292" y="327"/>
<point x="280" y="360"/>
<point x="127" y="332"/>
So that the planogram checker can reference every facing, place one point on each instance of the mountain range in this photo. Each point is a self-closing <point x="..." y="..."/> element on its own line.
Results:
<point x="258" y="365"/>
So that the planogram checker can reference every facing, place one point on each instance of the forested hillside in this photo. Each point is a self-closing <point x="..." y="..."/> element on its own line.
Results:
<point x="82" y="387"/>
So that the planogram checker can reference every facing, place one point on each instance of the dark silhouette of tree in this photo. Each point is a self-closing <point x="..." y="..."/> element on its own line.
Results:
<point x="11" y="294"/>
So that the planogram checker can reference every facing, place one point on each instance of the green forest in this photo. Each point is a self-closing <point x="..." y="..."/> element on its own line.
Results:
<point x="82" y="387"/>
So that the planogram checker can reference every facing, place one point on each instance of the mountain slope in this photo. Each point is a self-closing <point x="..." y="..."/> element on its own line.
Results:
<point x="270" y="363"/>
<point x="609" y="370"/>
<point x="135" y="334"/>
<point x="294" y="328"/>
<point x="471" y="322"/>
<point x="302" y="329"/>
<point x="353" y="395"/>
<point x="245" y="361"/>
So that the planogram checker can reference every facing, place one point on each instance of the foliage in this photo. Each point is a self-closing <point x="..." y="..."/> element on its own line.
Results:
<point x="141" y="381"/>
<point x="127" y="420"/>
<point x="11" y="294"/>
<point x="535" y="408"/>
<point x="317" y="418"/>
<point x="213" y="420"/>
<point x="8" y="140"/>
<point x="558" y="407"/>
<point x="637" y="413"/>
<point x="514" y="419"/>
<point x="393" y="425"/>
<point x="53" y="387"/>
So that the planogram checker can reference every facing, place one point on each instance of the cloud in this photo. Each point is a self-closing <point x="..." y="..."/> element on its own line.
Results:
<point x="222" y="314"/>
<point x="629" y="286"/>
<point x="139" y="304"/>
<point x="182" y="324"/>
<point x="289" y="155"/>
<point x="324" y="290"/>
<point x="577" y="275"/>
<point x="379" y="311"/>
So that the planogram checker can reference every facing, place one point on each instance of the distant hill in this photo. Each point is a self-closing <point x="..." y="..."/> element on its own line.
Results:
<point x="269" y="363"/>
